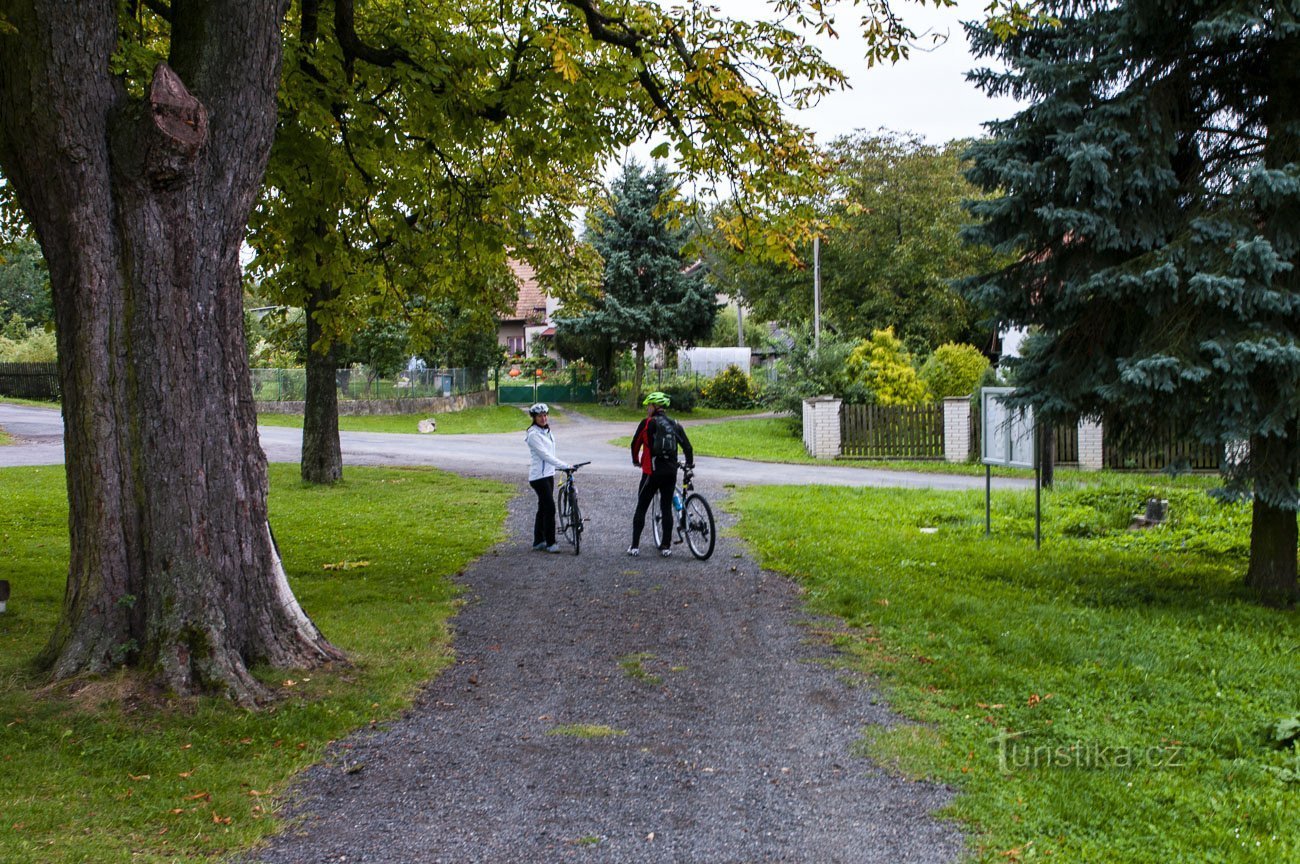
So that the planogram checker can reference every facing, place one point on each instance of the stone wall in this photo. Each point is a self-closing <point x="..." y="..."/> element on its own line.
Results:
<point x="429" y="405"/>
<point x="821" y="426"/>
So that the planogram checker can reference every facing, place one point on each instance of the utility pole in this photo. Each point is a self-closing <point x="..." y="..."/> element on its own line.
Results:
<point x="740" y="324"/>
<point x="817" y="293"/>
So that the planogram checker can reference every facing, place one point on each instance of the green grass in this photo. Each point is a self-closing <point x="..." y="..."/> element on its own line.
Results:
<point x="1022" y="666"/>
<point x="34" y="403"/>
<point x="5" y="437"/>
<point x="634" y="667"/>
<point x="585" y="730"/>
<point x="487" y="419"/>
<point x="90" y="777"/>
<point x="632" y="414"/>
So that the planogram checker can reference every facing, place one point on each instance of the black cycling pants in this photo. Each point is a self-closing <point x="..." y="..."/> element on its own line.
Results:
<point x="544" y="524"/>
<point x="652" y="484"/>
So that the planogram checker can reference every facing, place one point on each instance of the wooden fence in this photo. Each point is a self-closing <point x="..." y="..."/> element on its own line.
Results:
<point x="1167" y="449"/>
<point x="891" y="431"/>
<point x="29" y="380"/>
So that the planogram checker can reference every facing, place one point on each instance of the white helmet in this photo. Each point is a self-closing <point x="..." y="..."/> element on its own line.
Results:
<point x="539" y="408"/>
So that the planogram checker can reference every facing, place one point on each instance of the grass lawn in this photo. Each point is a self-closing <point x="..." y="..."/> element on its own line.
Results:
<point x="490" y="418"/>
<point x="35" y="403"/>
<point x="633" y="414"/>
<point x="89" y="778"/>
<point x="1111" y="698"/>
<point x="5" y="437"/>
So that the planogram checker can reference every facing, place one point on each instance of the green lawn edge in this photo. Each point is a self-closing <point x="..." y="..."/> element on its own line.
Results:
<point x="87" y="777"/>
<point x="488" y="419"/>
<point x="1026" y="674"/>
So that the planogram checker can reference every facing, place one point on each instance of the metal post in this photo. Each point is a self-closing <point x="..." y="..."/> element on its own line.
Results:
<point x="988" y="496"/>
<point x="817" y="293"/>
<point x="740" y="324"/>
<point x="1038" y="487"/>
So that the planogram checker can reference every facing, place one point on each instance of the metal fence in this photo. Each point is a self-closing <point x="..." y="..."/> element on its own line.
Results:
<point x="29" y="380"/>
<point x="565" y="385"/>
<point x="891" y="431"/>
<point x="359" y="383"/>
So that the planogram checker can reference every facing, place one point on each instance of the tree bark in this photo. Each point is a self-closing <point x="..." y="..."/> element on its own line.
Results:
<point x="1271" y="576"/>
<point x="140" y="206"/>
<point x="322" y="454"/>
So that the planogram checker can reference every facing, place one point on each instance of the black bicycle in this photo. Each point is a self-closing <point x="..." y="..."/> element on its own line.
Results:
<point x="693" y="517"/>
<point x="567" y="512"/>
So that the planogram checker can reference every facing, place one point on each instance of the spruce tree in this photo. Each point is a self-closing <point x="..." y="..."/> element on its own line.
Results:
<point x="649" y="291"/>
<point x="1152" y="194"/>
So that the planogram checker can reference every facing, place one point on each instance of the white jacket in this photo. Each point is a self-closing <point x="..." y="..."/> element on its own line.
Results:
<point x="541" y="447"/>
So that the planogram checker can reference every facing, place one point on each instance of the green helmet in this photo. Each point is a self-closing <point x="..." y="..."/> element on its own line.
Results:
<point x="657" y="398"/>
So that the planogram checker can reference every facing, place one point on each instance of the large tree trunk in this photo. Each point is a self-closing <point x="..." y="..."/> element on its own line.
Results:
<point x="1273" y="537"/>
<point x="322" y="454"/>
<point x="140" y="207"/>
<point x="1271" y="576"/>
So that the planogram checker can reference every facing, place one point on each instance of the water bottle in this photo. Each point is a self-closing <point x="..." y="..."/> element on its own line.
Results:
<point x="677" y="500"/>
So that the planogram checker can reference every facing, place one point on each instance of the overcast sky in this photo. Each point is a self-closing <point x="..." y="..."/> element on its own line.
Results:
<point x="927" y="93"/>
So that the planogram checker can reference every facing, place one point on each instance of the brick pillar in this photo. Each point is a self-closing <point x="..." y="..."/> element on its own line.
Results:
<point x="1090" y="444"/>
<point x="956" y="428"/>
<point x="821" y="426"/>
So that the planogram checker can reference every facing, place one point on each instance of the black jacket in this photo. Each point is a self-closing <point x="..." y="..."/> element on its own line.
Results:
<point x="643" y="449"/>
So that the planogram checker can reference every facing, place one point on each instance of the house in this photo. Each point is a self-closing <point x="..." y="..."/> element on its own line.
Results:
<point x="532" y="315"/>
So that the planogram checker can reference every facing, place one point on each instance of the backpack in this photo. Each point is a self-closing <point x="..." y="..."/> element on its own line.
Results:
<point x="663" y="440"/>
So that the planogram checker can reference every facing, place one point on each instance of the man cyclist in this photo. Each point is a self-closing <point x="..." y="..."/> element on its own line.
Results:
<point x="654" y="451"/>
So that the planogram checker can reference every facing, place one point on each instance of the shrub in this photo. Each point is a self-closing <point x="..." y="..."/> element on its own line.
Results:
<point x="731" y="388"/>
<point x="953" y="370"/>
<point x="883" y="367"/>
<point x="683" y="396"/>
<point x="37" y="346"/>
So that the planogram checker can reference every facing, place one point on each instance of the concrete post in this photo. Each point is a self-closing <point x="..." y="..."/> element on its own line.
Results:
<point x="821" y="426"/>
<point x="956" y="428"/>
<point x="1090" y="445"/>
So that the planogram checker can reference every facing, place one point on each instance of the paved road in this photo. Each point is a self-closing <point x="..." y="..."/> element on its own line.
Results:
<point x="39" y="433"/>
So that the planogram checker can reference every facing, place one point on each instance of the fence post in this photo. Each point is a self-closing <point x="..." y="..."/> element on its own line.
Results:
<point x="821" y="426"/>
<point x="956" y="428"/>
<point x="1090" y="445"/>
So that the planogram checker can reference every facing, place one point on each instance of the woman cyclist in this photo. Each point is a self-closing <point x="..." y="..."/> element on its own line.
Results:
<point x="541" y="476"/>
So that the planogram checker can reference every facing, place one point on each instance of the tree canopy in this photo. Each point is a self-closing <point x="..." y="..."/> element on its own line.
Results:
<point x="891" y="251"/>
<point x="1151" y="194"/>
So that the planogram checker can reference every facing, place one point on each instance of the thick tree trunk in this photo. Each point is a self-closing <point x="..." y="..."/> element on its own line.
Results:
<point x="1271" y="576"/>
<point x="1273" y="537"/>
<point x="140" y="208"/>
<point x="322" y="454"/>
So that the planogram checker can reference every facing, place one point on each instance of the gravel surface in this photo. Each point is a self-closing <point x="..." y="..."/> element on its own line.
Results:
<point x="734" y="744"/>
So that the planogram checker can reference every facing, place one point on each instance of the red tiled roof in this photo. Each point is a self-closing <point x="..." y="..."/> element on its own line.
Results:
<point x="530" y="303"/>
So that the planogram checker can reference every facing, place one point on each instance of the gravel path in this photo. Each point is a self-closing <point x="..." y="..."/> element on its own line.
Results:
<point x="738" y="749"/>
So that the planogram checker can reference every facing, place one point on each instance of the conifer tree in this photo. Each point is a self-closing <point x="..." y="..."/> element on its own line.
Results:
<point x="1152" y="193"/>
<point x="649" y="292"/>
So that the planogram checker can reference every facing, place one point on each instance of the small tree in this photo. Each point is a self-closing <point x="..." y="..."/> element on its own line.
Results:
<point x="649" y="292"/>
<point x="731" y="388"/>
<point x="884" y="368"/>
<point x="953" y="370"/>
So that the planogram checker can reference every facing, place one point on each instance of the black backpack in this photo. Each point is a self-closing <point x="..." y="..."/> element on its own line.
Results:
<point x="663" y="440"/>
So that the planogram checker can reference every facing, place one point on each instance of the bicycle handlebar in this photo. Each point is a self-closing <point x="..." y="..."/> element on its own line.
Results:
<point x="575" y="467"/>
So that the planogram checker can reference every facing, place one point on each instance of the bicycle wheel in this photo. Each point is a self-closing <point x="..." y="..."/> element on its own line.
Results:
<point x="574" y="531"/>
<point x="701" y="533"/>
<point x="654" y="522"/>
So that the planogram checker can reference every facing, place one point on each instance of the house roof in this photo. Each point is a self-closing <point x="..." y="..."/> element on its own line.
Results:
<point x="530" y="302"/>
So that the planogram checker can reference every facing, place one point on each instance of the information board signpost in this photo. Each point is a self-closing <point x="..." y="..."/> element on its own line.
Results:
<point x="1009" y="438"/>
